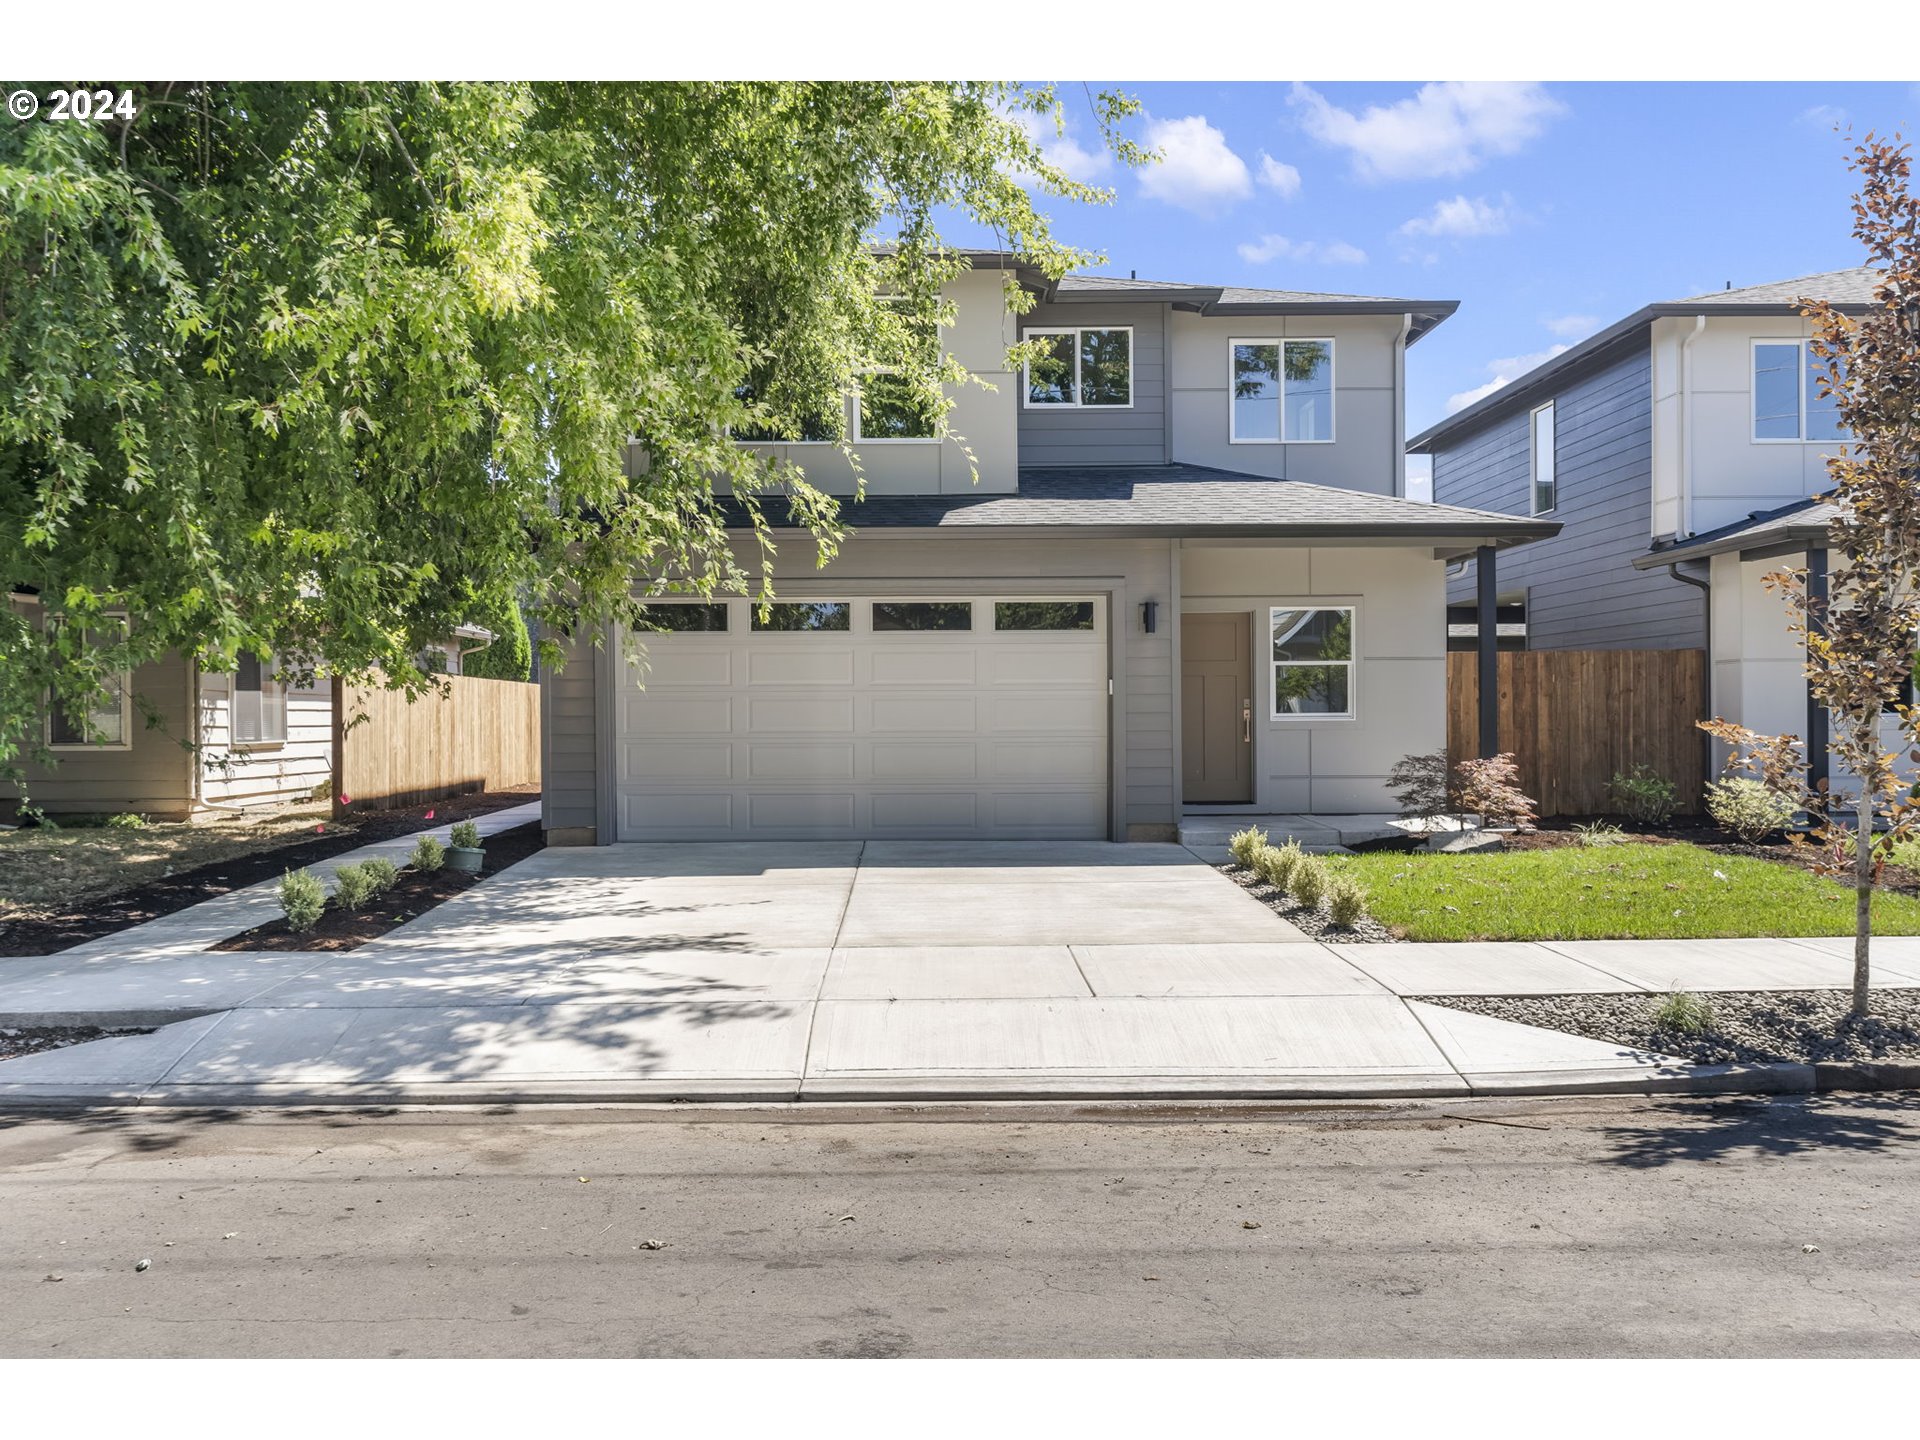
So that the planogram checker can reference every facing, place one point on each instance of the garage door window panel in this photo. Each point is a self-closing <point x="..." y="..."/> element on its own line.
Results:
<point x="1043" y="615"/>
<point x="804" y="616"/>
<point x="671" y="617"/>
<point x="896" y="615"/>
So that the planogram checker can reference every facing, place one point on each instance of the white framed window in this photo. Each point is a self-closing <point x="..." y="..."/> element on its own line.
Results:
<point x="1542" y="458"/>
<point x="1787" y="405"/>
<point x="107" y="724"/>
<point x="888" y="412"/>
<point x="258" y="703"/>
<point x="1088" y="367"/>
<point x="1313" y="651"/>
<point x="1279" y="391"/>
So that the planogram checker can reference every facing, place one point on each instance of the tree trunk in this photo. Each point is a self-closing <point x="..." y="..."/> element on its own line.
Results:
<point x="1862" y="894"/>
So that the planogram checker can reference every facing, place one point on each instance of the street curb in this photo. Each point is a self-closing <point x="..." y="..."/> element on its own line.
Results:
<point x="1866" y="1075"/>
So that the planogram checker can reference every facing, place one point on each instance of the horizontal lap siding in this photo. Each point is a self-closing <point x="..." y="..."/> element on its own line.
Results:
<point x="1065" y="435"/>
<point x="570" y="777"/>
<point x="152" y="776"/>
<point x="270" y="774"/>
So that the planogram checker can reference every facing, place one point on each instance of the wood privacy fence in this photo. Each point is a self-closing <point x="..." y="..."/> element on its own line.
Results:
<point x="480" y="735"/>
<point x="1573" y="718"/>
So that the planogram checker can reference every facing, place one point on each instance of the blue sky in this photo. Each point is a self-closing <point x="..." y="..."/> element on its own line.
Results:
<point x="1547" y="211"/>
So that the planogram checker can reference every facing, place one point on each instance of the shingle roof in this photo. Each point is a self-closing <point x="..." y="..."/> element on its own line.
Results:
<point x="1175" y="500"/>
<point x="1248" y="300"/>
<point x="1786" y="528"/>
<point x="1842" y="287"/>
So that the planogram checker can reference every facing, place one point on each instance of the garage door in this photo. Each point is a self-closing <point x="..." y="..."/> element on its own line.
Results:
<point x="934" y="717"/>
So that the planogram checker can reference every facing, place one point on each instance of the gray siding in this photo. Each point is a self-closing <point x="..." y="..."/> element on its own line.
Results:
<point x="151" y="777"/>
<point x="1582" y="590"/>
<point x="1103" y="435"/>
<point x="569" y="746"/>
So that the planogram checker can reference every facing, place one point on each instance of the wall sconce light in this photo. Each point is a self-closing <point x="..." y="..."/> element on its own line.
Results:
<point x="1147" y="609"/>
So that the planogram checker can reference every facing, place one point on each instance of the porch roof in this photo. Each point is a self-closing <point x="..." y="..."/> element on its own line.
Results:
<point x="1761" y="536"/>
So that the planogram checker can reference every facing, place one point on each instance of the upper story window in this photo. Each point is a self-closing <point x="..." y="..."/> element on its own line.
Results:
<point x="890" y="410"/>
<point x="1545" y="489"/>
<point x="104" y="725"/>
<point x="1787" y="404"/>
<point x="1082" y="368"/>
<point x="1282" y="392"/>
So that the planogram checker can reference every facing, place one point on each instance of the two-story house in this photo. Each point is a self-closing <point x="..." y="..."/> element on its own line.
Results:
<point x="1187" y="576"/>
<point x="1683" y="449"/>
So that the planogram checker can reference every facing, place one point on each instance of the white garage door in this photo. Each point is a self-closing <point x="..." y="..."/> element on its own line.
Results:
<point x="948" y="717"/>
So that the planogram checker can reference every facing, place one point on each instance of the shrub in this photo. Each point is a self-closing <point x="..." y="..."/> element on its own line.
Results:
<point x="1346" y="901"/>
<point x="352" y="887"/>
<point x="1748" y="808"/>
<point x="1243" y="845"/>
<point x="126" y="822"/>
<point x="428" y="854"/>
<point x="382" y="872"/>
<point x="302" y="899"/>
<point x="1490" y="788"/>
<point x="1275" y="864"/>
<point x="1778" y="760"/>
<point x="1420" y="784"/>
<point x="1645" y="796"/>
<point x="1308" y="883"/>
<point x="1600" y="832"/>
<point x="465" y="836"/>
<point x="1683" y="1012"/>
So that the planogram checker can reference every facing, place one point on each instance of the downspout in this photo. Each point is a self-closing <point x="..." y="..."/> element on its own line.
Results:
<point x="1686" y="428"/>
<point x="198" y="784"/>
<point x="1705" y="587"/>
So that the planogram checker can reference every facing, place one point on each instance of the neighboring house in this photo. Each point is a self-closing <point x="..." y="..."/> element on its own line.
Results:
<point x="1188" y="576"/>
<point x="222" y="742"/>
<point x="1682" y="448"/>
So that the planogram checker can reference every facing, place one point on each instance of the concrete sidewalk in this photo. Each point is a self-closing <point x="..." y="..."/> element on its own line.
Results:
<point x="853" y="970"/>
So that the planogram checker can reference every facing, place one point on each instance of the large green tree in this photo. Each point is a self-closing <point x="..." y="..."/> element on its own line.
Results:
<point x="302" y="367"/>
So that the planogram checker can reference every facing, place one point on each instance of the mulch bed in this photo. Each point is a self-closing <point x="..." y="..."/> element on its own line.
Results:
<point x="31" y="1039"/>
<point x="44" y="936"/>
<point x="415" y="893"/>
<point x="1314" y="922"/>
<point x="1749" y="1027"/>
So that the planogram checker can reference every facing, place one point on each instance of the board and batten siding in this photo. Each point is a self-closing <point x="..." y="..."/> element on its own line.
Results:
<point x="569" y="744"/>
<point x="265" y="774"/>
<point x="1101" y="434"/>
<point x="1582" y="590"/>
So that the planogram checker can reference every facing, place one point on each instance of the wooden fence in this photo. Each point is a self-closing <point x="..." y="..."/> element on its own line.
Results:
<point x="1575" y="717"/>
<point x="481" y="735"/>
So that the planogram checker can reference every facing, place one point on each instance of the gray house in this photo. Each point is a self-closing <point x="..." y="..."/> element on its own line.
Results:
<point x="1187" y="578"/>
<point x="1682" y="449"/>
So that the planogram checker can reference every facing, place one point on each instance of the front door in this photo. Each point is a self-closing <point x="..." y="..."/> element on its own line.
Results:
<point x="1216" y="708"/>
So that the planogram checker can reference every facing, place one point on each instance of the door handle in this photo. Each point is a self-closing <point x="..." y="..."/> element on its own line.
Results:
<point x="1246" y="722"/>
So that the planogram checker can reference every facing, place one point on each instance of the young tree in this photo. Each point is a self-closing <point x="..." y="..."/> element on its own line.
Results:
<point x="297" y="367"/>
<point x="1860" y="642"/>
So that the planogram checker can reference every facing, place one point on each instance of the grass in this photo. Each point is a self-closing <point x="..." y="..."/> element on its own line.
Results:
<point x="49" y="872"/>
<point x="1617" y="892"/>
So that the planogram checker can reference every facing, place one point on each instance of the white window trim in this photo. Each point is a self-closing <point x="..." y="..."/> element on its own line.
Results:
<point x="1533" y="458"/>
<point x="859" y="439"/>
<point x="1352" y="712"/>
<point x="1753" y="393"/>
<point x="97" y="747"/>
<point x="1333" y="385"/>
<point x="1027" y="402"/>
<point x="233" y="689"/>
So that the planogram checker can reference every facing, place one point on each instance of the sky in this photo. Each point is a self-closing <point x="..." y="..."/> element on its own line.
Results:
<point x="1547" y="211"/>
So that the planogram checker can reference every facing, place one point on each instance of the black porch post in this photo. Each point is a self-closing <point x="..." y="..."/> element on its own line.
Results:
<point x="1487" y="614"/>
<point x="1817" y="759"/>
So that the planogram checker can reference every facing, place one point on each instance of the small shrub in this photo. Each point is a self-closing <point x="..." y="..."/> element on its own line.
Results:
<point x="1421" y="785"/>
<point x="1749" y="809"/>
<point x="428" y="854"/>
<point x="1778" y="760"/>
<point x="1346" y="901"/>
<point x="352" y="887"/>
<point x="465" y="836"/>
<point x="126" y="822"/>
<point x="1684" y="1013"/>
<point x="1308" y="884"/>
<point x="1275" y="864"/>
<point x="382" y="872"/>
<point x="302" y="899"/>
<point x="1243" y="845"/>
<point x="1645" y="796"/>
<point x="1600" y="832"/>
<point x="1490" y="788"/>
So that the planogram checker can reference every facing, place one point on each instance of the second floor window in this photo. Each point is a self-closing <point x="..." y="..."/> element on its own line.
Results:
<point x="1081" y="368"/>
<point x="1545" y="488"/>
<point x="1282" y="392"/>
<point x="890" y="410"/>
<point x="1787" y="404"/>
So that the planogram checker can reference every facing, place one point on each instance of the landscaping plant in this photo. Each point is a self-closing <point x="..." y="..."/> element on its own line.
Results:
<point x="1275" y="864"/>
<point x="302" y="899"/>
<point x="1600" y="832"/>
<point x="1490" y="788"/>
<point x="352" y="887"/>
<point x="1346" y="901"/>
<point x="382" y="872"/>
<point x="1308" y="883"/>
<point x="1749" y="809"/>
<point x="465" y="835"/>
<point x="1422" y="785"/>
<point x="1684" y="1013"/>
<point x="1645" y="796"/>
<point x="1243" y="845"/>
<point x="428" y="854"/>
<point x="126" y="822"/>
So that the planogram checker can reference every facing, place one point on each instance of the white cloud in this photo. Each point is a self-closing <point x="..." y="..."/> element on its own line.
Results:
<point x="1443" y="129"/>
<point x="1197" y="171"/>
<point x="1461" y="219"/>
<point x="1823" y="117"/>
<point x="1310" y="252"/>
<point x="1504" y="372"/>
<point x="1280" y="176"/>
<point x="1061" y="148"/>
<point x="1573" y="327"/>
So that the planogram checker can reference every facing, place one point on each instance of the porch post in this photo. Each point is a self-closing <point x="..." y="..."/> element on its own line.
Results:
<point x="1818" y="763"/>
<point x="1486" y="614"/>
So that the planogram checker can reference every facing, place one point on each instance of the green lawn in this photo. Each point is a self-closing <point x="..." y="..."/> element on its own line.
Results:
<point x="1626" y="892"/>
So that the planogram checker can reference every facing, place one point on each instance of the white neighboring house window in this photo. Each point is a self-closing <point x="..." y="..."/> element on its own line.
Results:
<point x="1084" y="367"/>
<point x="1280" y="392"/>
<point x="1543" y="454"/>
<point x="1787" y="404"/>
<point x="259" y="703"/>
<point x="107" y="724"/>
<point x="1312" y="662"/>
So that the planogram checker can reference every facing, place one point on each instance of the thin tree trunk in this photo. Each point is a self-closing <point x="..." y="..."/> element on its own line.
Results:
<point x="1862" y="894"/>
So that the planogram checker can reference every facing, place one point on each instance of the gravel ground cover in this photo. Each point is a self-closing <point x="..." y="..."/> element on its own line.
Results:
<point x="1747" y="1027"/>
<point x="31" y="1039"/>
<point x="1316" y="922"/>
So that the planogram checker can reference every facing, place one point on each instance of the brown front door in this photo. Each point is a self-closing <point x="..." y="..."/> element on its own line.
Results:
<point x="1216" y="708"/>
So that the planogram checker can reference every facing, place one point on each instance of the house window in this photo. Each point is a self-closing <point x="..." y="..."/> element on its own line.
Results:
<point x="1312" y="662"/>
<point x="922" y="615"/>
<point x="816" y="429"/>
<point x="259" y="703"/>
<point x="890" y="410"/>
<point x="1081" y="368"/>
<point x="1545" y="488"/>
<point x="1787" y="403"/>
<point x="805" y="615"/>
<point x="1282" y="392"/>
<point x="1043" y="615"/>
<point x="103" y="725"/>
<point x="670" y="616"/>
